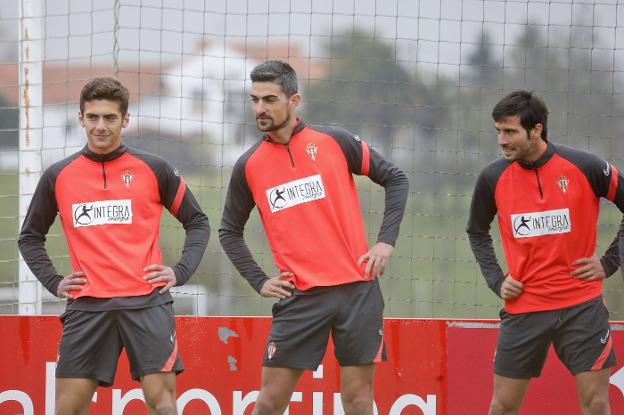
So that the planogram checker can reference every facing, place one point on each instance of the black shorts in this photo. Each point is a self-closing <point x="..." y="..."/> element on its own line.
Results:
<point x="302" y="323"/>
<point x="580" y="335"/>
<point x="91" y="343"/>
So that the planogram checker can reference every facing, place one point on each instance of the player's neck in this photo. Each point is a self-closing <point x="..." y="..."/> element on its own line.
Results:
<point x="537" y="152"/>
<point x="104" y="151"/>
<point x="283" y="135"/>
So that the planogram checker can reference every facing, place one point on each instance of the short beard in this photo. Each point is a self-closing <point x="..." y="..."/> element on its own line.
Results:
<point x="276" y="127"/>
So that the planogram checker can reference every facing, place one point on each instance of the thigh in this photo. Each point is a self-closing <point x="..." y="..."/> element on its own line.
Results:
<point x="90" y="346"/>
<point x="357" y="330"/>
<point x="149" y="336"/>
<point x="299" y="331"/>
<point x="523" y="343"/>
<point x="278" y="384"/>
<point x="357" y="379"/>
<point x="583" y="340"/>
<point x="73" y="396"/>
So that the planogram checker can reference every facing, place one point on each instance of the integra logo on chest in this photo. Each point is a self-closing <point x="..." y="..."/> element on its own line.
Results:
<point x="526" y="225"/>
<point x="295" y="193"/>
<point x="307" y="190"/>
<point x="102" y="212"/>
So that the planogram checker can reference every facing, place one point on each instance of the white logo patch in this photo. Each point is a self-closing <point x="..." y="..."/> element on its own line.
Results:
<point x="102" y="212"/>
<point x="527" y="225"/>
<point x="295" y="193"/>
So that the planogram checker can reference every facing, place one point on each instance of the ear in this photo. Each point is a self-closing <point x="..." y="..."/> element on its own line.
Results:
<point x="126" y="120"/>
<point x="81" y="119"/>
<point x="294" y="101"/>
<point x="536" y="132"/>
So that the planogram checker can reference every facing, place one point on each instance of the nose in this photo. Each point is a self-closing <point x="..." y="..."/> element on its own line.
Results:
<point x="502" y="138"/>
<point x="258" y="107"/>
<point x="100" y="124"/>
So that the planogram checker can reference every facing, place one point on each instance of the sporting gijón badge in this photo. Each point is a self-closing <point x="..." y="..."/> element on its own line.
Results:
<point x="127" y="178"/>
<point x="271" y="348"/>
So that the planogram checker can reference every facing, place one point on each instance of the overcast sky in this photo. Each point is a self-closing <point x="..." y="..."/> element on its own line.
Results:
<point x="435" y="33"/>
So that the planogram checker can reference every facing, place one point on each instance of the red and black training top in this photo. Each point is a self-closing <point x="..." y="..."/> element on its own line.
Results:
<point x="110" y="207"/>
<point x="547" y="216"/>
<point x="307" y="200"/>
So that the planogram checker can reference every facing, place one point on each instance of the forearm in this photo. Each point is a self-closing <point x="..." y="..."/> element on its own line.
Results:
<point x="239" y="254"/>
<point x="483" y="250"/>
<point x="39" y="262"/>
<point x="611" y="259"/>
<point x="40" y="216"/>
<point x="396" y="190"/>
<point x="197" y="236"/>
<point x="396" y="186"/>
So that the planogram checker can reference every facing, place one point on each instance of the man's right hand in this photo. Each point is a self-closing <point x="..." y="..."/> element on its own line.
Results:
<point x="72" y="282"/>
<point x="276" y="287"/>
<point x="511" y="288"/>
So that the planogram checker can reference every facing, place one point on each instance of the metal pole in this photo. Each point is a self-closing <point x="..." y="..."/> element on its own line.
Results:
<point x="30" y="133"/>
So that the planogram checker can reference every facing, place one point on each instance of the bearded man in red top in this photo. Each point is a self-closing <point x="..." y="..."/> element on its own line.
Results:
<point x="300" y="177"/>
<point x="547" y="199"/>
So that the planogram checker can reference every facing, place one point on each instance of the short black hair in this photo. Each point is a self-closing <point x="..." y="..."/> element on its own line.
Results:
<point x="278" y="72"/>
<point x="105" y="88"/>
<point x="525" y="104"/>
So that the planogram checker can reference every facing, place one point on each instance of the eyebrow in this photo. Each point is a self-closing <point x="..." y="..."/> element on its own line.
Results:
<point x="108" y="114"/>
<point x="506" y="128"/>
<point x="263" y="97"/>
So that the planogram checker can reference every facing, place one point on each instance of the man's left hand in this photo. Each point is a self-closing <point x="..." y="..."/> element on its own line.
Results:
<point x="160" y="273"/>
<point x="590" y="269"/>
<point x="378" y="257"/>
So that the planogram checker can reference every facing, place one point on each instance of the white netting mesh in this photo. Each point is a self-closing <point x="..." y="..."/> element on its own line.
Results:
<point x="416" y="79"/>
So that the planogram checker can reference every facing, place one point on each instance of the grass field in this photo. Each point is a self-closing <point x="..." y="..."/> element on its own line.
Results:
<point x="432" y="273"/>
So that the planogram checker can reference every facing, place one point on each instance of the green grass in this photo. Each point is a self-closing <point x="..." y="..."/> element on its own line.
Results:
<point x="432" y="273"/>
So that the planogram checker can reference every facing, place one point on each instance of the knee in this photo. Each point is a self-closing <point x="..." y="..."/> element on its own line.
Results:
<point x="503" y="407"/>
<point x="268" y="405"/>
<point x="165" y="410"/>
<point x="69" y="411"/>
<point x="162" y="407"/>
<point x="358" y="402"/>
<point x="597" y="404"/>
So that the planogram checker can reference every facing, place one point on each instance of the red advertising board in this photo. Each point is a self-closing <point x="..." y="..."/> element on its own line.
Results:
<point x="435" y="367"/>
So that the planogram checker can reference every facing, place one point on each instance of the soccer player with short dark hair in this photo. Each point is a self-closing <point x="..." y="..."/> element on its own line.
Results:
<point x="300" y="177"/>
<point x="110" y="197"/>
<point x="547" y="199"/>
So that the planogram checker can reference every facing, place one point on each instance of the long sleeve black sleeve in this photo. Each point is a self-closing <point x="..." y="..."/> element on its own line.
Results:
<point x="607" y="182"/>
<point x="178" y="199"/>
<point x="611" y="258"/>
<point x="482" y="212"/>
<point x="40" y="216"/>
<point x="197" y="228"/>
<point x="363" y="160"/>
<point x="238" y="205"/>
<point x="396" y="186"/>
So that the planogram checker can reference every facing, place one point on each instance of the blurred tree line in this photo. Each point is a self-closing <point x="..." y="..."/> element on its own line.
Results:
<point x="438" y="128"/>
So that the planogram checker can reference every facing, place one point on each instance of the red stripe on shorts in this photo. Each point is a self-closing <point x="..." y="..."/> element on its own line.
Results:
<point x="379" y="352"/>
<point x="169" y="365"/>
<point x="603" y="356"/>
